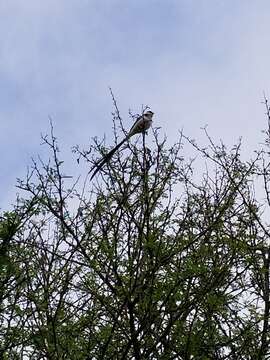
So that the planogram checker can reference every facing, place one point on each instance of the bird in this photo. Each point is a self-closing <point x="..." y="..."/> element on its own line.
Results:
<point x="141" y="125"/>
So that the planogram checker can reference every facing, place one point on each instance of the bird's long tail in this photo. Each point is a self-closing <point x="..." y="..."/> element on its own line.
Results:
<point x="106" y="158"/>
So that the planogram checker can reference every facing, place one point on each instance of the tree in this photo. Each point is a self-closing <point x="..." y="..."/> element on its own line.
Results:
<point x="146" y="262"/>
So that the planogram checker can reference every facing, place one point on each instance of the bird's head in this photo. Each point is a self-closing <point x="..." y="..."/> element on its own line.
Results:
<point x="149" y="114"/>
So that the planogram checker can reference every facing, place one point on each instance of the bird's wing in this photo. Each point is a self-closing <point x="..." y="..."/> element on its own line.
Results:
<point x="137" y="126"/>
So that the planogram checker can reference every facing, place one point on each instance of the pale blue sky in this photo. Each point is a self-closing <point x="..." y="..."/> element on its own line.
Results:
<point x="195" y="62"/>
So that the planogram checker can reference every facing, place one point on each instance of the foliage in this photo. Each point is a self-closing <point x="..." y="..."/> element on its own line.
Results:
<point x="149" y="261"/>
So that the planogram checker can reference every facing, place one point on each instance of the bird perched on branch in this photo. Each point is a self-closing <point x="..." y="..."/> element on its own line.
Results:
<point x="141" y="124"/>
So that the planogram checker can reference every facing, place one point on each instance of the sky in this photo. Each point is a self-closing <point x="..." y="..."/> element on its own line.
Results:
<point x="194" y="62"/>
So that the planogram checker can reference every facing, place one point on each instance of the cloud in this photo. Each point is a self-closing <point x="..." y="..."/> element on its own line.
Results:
<point x="194" y="63"/>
